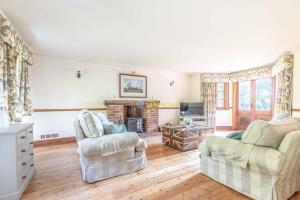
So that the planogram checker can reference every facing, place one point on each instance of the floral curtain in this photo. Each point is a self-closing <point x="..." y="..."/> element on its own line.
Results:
<point x="24" y="90"/>
<point x="284" y="83"/>
<point x="209" y="97"/>
<point x="15" y="57"/>
<point x="245" y="75"/>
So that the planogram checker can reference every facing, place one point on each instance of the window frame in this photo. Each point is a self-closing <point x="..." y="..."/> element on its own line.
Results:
<point x="226" y="96"/>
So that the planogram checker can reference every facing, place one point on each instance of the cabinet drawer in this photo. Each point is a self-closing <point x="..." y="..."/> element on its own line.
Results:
<point x="23" y="175"/>
<point x="31" y="163"/>
<point x="22" y="151"/>
<point x="21" y="137"/>
<point x="30" y="151"/>
<point x="23" y="164"/>
<point x="29" y="135"/>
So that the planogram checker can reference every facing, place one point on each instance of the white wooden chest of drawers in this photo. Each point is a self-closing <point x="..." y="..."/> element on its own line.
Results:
<point x="16" y="160"/>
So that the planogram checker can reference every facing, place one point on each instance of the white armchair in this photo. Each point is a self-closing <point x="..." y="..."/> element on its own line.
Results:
<point x="109" y="155"/>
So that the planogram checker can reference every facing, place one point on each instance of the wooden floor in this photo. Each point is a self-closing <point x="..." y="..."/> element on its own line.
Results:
<point x="170" y="174"/>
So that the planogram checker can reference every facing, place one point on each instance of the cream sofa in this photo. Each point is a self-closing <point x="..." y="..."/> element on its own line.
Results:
<point x="257" y="171"/>
<point x="109" y="155"/>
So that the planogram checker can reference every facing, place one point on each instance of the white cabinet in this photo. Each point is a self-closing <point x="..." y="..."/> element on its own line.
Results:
<point x="16" y="160"/>
<point x="197" y="119"/>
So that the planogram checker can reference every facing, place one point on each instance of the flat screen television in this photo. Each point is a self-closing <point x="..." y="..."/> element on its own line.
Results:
<point x="187" y="109"/>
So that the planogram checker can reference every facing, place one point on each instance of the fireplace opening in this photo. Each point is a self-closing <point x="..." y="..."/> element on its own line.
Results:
<point x="133" y="117"/>
<point x="138" y="116"/>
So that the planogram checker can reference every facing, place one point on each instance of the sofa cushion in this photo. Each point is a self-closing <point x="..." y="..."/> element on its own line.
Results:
<point x="90" y="124"/>
<point x="110" y="128"/>
<point x="141" y="145"/>
<point x="108" y="144"/>
<point x="102" y="117"/>
<point x="236" y="135"/>
<point x="268" y="134"/>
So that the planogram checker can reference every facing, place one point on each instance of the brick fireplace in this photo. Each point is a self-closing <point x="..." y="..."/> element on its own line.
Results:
<point x="119" y="111"/>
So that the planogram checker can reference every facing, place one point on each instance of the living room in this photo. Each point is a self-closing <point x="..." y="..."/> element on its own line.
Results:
<point x="149" y="99"/>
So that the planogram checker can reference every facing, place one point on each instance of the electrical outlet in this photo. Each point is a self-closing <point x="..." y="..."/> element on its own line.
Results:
<point x="54" y="135"/>
<point x="48" y="136"/>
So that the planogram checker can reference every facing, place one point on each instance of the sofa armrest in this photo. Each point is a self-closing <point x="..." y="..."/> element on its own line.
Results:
<point x="230" y="149"/>
<point x="220" y="145"/>
<point x="267" y="160"/>
<point x="290" y="147"/>
<point x="141" y="145"/>
<point x="79" y="132"/>
<point x="290" y="141"/>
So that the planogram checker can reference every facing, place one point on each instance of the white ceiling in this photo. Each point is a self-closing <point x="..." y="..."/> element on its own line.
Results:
<point x="182" y="35"/>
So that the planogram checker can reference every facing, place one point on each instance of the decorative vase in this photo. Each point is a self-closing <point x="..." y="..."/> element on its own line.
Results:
<point x="4" y="123"/>
<point x="187" y="122"/>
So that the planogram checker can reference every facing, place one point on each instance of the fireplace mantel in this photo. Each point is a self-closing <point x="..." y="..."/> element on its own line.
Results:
<point x="130" y="102"/>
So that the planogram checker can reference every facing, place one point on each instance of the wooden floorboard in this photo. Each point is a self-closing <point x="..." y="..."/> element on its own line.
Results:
<point x="170" y="175"/>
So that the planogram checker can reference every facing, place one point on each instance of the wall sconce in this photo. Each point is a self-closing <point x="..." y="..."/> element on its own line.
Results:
<point x="78" y="74"/>
<point x="172" y="83"/>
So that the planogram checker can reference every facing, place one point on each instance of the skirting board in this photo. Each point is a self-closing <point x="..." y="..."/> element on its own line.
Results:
<point x="40" y="143"/>
<point x="224" y="128"/>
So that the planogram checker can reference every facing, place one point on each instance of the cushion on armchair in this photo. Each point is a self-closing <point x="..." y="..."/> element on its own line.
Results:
<point x="90" y="124"/>
<point x="111" y="128"/>
<point x="102" y="117"/>
<point x="268" y="134"/>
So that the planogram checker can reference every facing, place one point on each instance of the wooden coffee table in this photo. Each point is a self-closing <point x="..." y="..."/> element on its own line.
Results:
<point x="183" y="138"/>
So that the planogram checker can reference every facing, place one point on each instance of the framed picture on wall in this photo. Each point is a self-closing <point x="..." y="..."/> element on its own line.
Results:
<point x="132" y="86"/>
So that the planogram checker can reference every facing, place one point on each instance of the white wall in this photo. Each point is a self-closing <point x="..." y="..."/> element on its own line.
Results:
<point x="194" y="88"/>
<point x="54" y="85"/>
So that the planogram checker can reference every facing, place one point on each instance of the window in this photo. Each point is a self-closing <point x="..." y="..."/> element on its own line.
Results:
<point x="263" y="94"/>
<point x="222" y="96"/>
<point x="245" y="95"/>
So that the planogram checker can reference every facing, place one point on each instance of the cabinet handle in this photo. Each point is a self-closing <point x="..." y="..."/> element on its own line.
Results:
<point x="32" y="165"/>
<point x="30" y="131"/>
<point x="24" y="163"/>
<point x="23" y="137"/>
<point x="23" y="150"/>
<point x="24" y="177"/>
<point x="30" y="142"/>
<point x="31" y="154"/>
